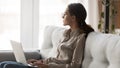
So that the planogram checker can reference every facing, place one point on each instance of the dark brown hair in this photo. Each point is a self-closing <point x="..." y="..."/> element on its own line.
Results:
<point x="78" y="10"/>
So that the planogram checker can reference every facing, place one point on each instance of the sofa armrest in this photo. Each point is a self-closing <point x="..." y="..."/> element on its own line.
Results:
<point x="9" y="56"/>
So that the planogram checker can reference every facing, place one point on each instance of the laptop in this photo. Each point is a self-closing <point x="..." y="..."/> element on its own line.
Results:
<point x="19" y="53"/>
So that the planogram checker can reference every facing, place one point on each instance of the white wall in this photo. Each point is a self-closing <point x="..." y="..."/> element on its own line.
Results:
<point x="29" y="23"/>
<point x="92" y="12"/>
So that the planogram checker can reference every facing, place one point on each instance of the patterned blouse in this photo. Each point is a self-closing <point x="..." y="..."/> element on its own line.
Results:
<point x="70" y="50"/>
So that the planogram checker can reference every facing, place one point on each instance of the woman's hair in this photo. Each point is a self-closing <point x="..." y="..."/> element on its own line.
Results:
<point x="78" y="10"/>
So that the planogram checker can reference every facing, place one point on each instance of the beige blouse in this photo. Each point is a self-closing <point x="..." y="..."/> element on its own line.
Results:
<point x="70" y="51"/>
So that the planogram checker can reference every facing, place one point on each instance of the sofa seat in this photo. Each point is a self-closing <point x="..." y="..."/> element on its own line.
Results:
<point x="7" y="55"/>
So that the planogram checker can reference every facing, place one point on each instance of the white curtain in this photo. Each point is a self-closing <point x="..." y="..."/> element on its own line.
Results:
<point x="92" y="12"/>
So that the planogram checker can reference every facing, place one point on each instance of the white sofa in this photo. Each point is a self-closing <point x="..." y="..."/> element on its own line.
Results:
<point x="101" y="50"/>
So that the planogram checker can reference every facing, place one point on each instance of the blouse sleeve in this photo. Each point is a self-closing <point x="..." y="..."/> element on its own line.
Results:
<point x="76" y="61"/>
<point x="53" y="60"/>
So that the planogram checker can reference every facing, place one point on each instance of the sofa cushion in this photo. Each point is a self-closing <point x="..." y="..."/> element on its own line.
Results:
<point x="102" y="51"/>
<point x="52" y="36"/>
<point x="56" y="38"/>
<point x="47" y="41"/>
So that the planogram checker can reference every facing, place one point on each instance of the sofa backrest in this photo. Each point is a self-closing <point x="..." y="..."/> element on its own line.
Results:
<point x="102" y="51"/>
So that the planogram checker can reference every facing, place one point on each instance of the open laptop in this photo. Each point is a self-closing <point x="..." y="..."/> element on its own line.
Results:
<point x="19" y="53"/>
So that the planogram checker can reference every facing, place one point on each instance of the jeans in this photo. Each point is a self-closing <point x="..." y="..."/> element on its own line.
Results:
<point x="11" y="64"/>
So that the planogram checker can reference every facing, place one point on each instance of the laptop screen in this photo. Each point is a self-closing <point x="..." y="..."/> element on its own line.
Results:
<point x="18" y="52"/>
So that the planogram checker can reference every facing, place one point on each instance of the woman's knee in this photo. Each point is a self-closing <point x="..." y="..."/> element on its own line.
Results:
<point x="14" y="66"/>
<point x="11" y="64"/>
<point x="2" y="64"/>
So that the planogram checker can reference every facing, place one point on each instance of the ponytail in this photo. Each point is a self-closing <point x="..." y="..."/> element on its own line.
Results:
<point x="86" y="28"/>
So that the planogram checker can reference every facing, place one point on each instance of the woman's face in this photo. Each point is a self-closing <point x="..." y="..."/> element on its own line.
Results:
<point x="67" y="18"/>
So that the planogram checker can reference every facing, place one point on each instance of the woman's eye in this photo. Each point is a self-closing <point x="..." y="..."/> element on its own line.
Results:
<point x="63" y="15"/>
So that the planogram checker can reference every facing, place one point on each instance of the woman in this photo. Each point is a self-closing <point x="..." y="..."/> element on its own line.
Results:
<point x="71" y="48"/>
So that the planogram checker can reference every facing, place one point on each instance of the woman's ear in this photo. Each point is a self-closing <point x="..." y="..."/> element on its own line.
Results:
<point x="73" y="18"/>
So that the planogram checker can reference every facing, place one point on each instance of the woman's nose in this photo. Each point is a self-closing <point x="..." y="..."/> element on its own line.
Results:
<point x="63" y="16"/>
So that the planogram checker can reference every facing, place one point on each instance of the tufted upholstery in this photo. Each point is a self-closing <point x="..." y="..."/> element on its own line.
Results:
<point x="101" y="50"/>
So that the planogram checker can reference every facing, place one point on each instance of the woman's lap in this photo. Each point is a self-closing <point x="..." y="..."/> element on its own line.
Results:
<point x="11" y="64"/>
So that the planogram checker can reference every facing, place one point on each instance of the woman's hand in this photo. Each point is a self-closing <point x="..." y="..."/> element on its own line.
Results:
<point x="31" y="61"/>
<point x="38" y="63"/>
<point x="43" y="66"/>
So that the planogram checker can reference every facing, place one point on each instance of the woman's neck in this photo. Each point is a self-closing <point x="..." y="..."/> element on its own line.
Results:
<point x="74" y="27"/>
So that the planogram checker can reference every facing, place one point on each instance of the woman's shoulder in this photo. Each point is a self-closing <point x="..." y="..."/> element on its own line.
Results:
<point x="66" y="32"/>
<point x="82" y="35"/>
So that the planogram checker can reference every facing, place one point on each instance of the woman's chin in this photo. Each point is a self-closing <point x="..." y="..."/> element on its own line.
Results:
<point x="65" y="24"/>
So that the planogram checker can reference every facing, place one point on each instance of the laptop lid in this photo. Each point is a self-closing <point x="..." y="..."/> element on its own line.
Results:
<point x="18" y="52"/>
